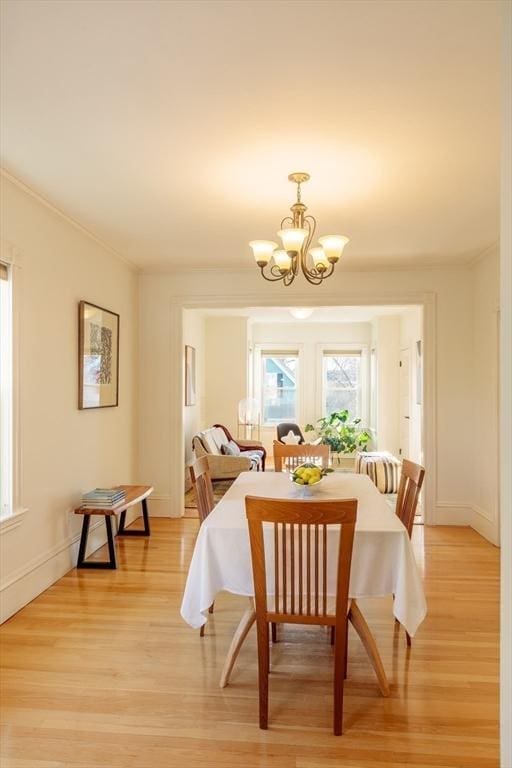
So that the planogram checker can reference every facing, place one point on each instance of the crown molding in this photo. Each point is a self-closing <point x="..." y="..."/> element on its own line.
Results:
<point x="67" y="218"/>
<point x="483" y="254"/>
<point x="421" y="264"/>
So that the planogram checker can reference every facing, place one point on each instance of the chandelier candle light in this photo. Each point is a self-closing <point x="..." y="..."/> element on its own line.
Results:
<point x="296" y="234"/>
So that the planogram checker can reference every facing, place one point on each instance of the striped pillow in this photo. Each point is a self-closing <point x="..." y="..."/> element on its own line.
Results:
<point x="382" y="468"/>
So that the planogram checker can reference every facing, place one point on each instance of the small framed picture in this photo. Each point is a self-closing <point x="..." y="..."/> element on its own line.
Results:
<point x="98" y="357"/>
<point x="190" y="375"/>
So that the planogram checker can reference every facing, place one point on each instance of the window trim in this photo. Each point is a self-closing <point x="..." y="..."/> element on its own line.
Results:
<point x="279" y="349"/>
<point x="340" y="349"/>
<point x="11" y="256"/>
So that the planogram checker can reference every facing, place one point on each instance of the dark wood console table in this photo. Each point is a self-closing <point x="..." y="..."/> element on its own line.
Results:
<point x="135" y="494"/>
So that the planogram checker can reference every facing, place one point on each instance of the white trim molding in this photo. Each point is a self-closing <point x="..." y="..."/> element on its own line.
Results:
<point x="11" y="255"/>
<point x="160" y="505"/>
<point x="484" y="523"/>
<point x="69" y="219"/>
<point x="505" y="504"/>
<point x="11" y="522"/>
<point x="453" y="513"/>
<point x="43" y="571"/>
<point x="177" y="304"/>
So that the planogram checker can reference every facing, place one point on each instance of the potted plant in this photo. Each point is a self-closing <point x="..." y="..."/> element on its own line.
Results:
<point x="343" y="434"/>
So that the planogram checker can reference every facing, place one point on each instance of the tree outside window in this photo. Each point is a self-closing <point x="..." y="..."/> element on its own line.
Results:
<point x="341" y="377"/>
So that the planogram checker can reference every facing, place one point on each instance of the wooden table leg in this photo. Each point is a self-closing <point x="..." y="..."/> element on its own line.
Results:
<point x="122" y="531"/>
<point x="111" y="562"/>
<point x="243" y="628"/>
<point x="363" y="630"/>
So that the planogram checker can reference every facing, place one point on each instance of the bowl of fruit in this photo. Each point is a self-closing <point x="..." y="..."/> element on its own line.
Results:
<point x="308" y="477"/>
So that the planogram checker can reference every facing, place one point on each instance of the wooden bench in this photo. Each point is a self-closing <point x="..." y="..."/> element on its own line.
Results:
<point x="134" y="495"/>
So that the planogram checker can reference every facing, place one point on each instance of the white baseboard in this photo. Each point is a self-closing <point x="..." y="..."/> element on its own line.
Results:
<point x="25" y="584"/>
<point x="451" y="513"/>
<point x="481" y="520"/>
<point x="484" y="524"/>
<point x="164" y="505"/>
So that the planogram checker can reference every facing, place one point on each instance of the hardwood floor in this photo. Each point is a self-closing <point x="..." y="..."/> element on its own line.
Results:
<point x="101" y="672"/>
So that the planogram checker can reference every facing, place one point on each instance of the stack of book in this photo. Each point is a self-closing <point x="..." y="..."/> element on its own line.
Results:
<point x="103" y="498"/>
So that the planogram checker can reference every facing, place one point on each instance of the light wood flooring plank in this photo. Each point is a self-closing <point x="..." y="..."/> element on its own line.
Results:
<point x="100" y="671"/>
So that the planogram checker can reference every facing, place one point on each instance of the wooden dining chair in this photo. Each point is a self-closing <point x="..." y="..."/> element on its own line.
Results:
<point x="288" y="457"/>
<point x="300" y="556"/>
<point x="409" y="489"/>
<point x="203" y="489"/>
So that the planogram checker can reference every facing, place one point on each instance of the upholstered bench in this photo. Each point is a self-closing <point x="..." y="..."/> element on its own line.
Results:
<point x="382" y="468"/>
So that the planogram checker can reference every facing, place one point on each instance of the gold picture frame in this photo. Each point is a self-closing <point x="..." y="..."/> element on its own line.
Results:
<point x="98" y="357"/>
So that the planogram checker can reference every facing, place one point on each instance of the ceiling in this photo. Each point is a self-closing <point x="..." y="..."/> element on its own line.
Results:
<point x="359" y="314"/>
<point x="168" y="129"/>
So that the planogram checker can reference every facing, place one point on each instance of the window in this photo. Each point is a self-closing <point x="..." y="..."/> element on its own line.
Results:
<point x="279" y="372"/>
<point x="341" y="383"/>
<point x="6" y="444"/>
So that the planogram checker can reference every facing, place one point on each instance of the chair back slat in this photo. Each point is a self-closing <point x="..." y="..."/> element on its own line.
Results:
<point x="300" y="543"/>
<point x="408" y="492"/>
<point x="288" y="457"/>
<point x="203" y="488"/>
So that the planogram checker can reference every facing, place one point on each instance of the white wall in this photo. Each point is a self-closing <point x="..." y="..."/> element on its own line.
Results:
<point x="484" y="411"/>
<point x="226" y="345"/>
<point x="411" y="331"/>
<point x="194" y="415"/>
<point x="386" y="338"/>
<point x="64" y="451"/>
<point x="506" y="397"/>
<point x="446" y="294"/>
<point x="308" y="339"/>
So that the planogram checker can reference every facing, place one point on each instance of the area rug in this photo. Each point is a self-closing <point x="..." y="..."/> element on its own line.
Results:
<point x="219" y="489"/>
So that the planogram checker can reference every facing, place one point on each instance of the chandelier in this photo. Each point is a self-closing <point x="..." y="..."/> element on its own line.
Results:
<point x="296" y="234"/>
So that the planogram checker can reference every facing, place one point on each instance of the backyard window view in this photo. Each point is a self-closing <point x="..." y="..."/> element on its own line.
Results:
<point x="341" y="377"/>
<point x="341" y="385"/>
<point x="279" y="388"/>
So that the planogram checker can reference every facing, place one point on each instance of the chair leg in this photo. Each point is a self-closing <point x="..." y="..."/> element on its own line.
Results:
<point x="274" y="632"/>
<point x="340" y="655"/>
<point x="263" y="665"/>
<point x="345" y="671"/>
<point x="210" y="610"/>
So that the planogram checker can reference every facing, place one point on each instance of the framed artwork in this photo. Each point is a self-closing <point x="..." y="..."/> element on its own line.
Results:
<point x="190" y="375"/>
<point x="98" y="357"/>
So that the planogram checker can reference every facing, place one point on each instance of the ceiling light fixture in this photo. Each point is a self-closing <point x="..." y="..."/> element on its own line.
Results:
<point x="296" y="235"/>
<point x="301" y="313"/>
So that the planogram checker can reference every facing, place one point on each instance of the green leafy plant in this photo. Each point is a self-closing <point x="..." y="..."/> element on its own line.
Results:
<point x="341" y="433"/>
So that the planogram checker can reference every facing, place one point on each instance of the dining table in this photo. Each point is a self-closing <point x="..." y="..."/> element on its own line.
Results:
<point x="383" y="561"/>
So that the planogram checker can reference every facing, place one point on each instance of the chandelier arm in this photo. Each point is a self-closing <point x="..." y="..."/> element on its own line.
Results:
<point x="299" y="260"/>
<point x="315" y="277"/>
<point x="275" y="277"/>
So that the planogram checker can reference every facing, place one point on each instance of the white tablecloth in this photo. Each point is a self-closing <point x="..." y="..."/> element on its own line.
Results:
<point x="382" y="562"/>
